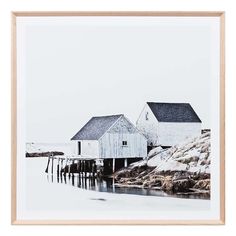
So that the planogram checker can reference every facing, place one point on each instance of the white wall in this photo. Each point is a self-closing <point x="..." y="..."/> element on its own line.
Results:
<point x="165" y="133"/>
<point x="89" y="148"/>
<point x="111" y="145"/>
<point x="148" y="127"/>
<point x="123" y="130"/>
<point x="174" y="133"/>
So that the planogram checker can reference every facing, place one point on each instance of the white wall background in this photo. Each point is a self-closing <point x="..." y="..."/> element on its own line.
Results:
<point x="65" y="5"/>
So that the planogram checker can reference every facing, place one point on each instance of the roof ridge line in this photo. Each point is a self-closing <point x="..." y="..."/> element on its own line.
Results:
<point x="169" y="102"/>
<point x="108" y="116"/>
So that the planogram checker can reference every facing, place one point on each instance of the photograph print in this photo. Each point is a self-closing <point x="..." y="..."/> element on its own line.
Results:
<point x="118" y="118"/>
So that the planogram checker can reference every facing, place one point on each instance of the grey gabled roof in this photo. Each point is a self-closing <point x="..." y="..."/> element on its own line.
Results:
<point x="96" y="127"/>
<point x="173" y="112"/>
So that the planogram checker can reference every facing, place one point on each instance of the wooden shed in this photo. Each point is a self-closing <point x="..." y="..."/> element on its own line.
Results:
<point x="168" y="124"/>
<point x="112" y="139"/>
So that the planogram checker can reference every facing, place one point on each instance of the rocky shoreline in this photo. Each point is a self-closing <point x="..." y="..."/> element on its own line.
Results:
<point x="183" y="169"/>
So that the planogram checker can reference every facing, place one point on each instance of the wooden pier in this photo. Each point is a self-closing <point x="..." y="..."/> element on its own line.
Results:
<point x="71" y="165"/>
<point x="86" y="167"/>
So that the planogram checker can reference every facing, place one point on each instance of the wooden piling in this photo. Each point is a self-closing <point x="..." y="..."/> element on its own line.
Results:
<point x="85" y="169"/>
<point x="46" y="171"/>
<point x="72" y="166"/>
<point x="85" y="181"/>
<point x="65" y="166"/>
<point x="93" y="169"/>
<point x="73" y="179"/>
<point x="89" y="167"/>
<point x="52" y="164"/>
<point x="78" y="181"/>
<point x="77" y="167"/>
<point x="65" y="178"/>
<point x="69" y="168"/>
<point x="61" y="166"/>
<point x="80" y="166"/>
<point x="58" y="163"/>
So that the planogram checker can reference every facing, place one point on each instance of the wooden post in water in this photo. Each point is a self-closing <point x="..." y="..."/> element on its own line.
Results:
<point x="58" y="163"/>
<point x="46" y="171"/>
<point x="73" y="179"/>
<point x="61" y="166"/>
<point x="85" y="174"/>
<point x="60" y="170"/>
<point x="69" y="168"/>
<point x="52" y="164"/>
<point x="89" y="168"/>
<point x="85" y="168"/>
<point x="66" y="161"/>
<point x="93" y="169"/>
<point x="77" y="167"/>
<point x="79" y="184"/>
<point x="73" y="162"/>
<point x="82" y="168"/>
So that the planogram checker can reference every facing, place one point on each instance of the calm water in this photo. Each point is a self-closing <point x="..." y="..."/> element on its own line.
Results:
<point x="36" y="174"/>
<point x="108" y="185"/>
<point x="44" y="196"/>
<point x="100" y="185"/>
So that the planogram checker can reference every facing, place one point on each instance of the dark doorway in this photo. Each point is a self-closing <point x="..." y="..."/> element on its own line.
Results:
<point x="79" y="148"/>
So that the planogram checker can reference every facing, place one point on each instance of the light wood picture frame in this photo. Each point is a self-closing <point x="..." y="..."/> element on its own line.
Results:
<point x="25" y="38"/>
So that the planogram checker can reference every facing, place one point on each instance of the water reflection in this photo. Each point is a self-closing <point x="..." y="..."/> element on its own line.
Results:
<point x="108" y="185"/>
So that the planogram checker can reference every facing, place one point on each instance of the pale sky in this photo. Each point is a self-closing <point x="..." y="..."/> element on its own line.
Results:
<point x="76" y="68"/>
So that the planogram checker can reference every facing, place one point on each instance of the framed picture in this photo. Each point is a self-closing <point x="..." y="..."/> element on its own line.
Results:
<point x="118" y="118"/>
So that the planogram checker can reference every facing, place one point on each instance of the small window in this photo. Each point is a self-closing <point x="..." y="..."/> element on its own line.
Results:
<point x="124" y="143"/>
<point x="147" y="116"/>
